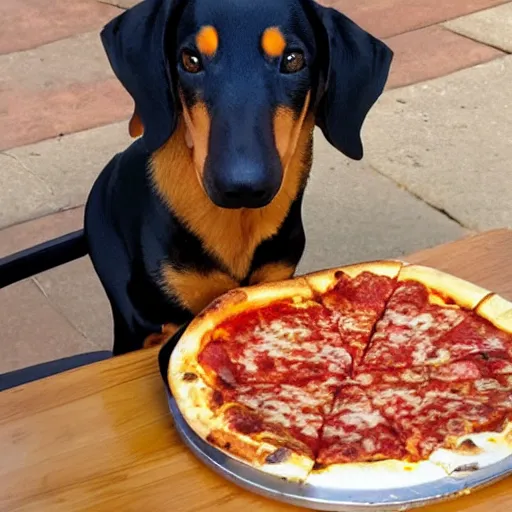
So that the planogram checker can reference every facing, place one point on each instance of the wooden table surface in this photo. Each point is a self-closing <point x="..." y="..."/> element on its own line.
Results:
<point x="101" y="438"/>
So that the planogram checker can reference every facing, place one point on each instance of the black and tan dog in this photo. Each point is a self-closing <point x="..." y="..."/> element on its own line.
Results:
<point x="227" y="94"/>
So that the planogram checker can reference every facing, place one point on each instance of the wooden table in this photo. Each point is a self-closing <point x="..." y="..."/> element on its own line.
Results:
<point x="101" y="438"/>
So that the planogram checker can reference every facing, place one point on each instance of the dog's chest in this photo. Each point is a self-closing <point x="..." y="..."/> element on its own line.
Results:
<point x="207" y="273"/>
<point x="194" y="289"/>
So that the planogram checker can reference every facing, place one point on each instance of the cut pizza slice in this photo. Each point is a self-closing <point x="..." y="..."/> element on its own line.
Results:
<point x="292" y="342"/>
<point x="475" y="335"/>
<point x="250" y="377"/>
<point x="441" y="418"/>
<point x="426" y="305"/>
<point x="281" y="414"/>
<point x="272" y="427"/>
<point x="354" y="430"/>
<point x="361" y="449"/>
<point x="274" y="333"/>
<point x="356" y="296"/>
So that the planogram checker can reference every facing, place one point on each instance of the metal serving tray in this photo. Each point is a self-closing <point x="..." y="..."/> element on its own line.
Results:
<point x="329" y="499"/>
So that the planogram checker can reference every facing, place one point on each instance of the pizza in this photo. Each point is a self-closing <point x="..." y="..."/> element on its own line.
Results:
<point x="376" y="375"/>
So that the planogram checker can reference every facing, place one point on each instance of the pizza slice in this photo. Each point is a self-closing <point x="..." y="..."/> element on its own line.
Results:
<point x="356" y="297"/>
<point x="355" y="430"/>
<point x="449" y="416"/>
<point x="252" y="374"/>
<point x="293" y="342"/>
<point x="425" y="307"/>
<point x="290" y="415"/>
<point x="360" y="447"/>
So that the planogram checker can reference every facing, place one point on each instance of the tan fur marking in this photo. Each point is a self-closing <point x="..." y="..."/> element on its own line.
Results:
<point x="207" y="40"/>
<point x="230" y="235"/>
<point x="287" y="130"/>
<point x="197" y="121"/>
<point x="135" y="127"/>
<point x="273" y="42"/>
<point x="194" y="290"/>
<point x="272" y="272"/>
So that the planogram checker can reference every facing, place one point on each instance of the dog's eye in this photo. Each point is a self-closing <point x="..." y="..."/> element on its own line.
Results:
<point x="292" y="62"/>
<point x="191" y="61"/>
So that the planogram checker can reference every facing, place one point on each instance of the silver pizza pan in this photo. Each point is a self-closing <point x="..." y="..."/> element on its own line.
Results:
<point x="318" y="498"/>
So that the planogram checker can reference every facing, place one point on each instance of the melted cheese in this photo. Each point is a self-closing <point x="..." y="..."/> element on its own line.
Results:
<point x="365" y="379"/>
<point x="368" y="445"/>
<point x="487" y="384"/>
<point x="285" y="345"/>
<point x="390" y="474"/>
<point x="358" y="324"/>
<point x="362" y="419"/>
<point x="412" y="376"/>
<point x="407" y="395"/>
<point x="285" y="405"/>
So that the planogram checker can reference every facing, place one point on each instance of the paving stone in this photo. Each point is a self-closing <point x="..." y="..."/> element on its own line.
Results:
<point x="27" y="234"/>
<point x="29" y="117"/>
<point x="30" y="23"/>
<point x="387" y="18"/>
<point x="431" y="52"/>
<point x="354" y="214"/>
<point x="76" y="292"/>
<point x="77" y="59"/>
<point x="449" y="141"/>
<point x="32" y="330"/>
<point x="491" y="26"/>
<point x="124" y="4"/>
<point x="23" y="194"/>
<point x="58" y="173"/>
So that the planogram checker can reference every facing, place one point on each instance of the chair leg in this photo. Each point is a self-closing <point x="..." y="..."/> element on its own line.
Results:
<point x="40" y="371"/>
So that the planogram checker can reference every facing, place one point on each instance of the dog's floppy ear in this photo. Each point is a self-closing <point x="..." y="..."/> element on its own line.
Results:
<point x="135" y="43"/>
<point x="355" y="72"/>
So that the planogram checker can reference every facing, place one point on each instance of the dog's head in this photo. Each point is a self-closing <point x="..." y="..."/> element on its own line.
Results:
<point x="243" y="76"/>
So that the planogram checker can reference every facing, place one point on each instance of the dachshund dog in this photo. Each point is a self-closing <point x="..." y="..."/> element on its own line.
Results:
<point x="208" y="197"/>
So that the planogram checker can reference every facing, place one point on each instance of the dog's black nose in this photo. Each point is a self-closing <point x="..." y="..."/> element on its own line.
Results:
<point x="243" y="184"/>
<point x="246" y="196"/>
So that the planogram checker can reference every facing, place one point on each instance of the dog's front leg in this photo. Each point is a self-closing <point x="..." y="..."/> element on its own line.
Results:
<point x="272" y="272"/>
<point x="157" y="339"/>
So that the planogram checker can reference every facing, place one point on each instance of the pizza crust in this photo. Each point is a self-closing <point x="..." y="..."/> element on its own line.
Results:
<point x="261" y="453"/>
<point x="386" y="474"/>
<point x="464" y="293"/>
<point x="476" y="451"/>
<point x="194" y="398"/>
<point x="322" y="280"/>
<point x="498" y="311"/>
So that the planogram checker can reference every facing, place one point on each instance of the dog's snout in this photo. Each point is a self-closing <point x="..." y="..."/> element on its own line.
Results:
<point x="244" y="184"/>
<point x="245" y="196"/>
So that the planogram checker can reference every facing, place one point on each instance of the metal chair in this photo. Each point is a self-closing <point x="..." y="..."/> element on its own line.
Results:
<point x="27" y="263"/>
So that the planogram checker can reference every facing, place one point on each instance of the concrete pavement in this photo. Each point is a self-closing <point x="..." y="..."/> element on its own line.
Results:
<point x="437" y="163"/>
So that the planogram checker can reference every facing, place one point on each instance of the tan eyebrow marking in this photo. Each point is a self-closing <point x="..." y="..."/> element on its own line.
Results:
<point x="273" y="42"/>
<point x="207" y="40"/>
